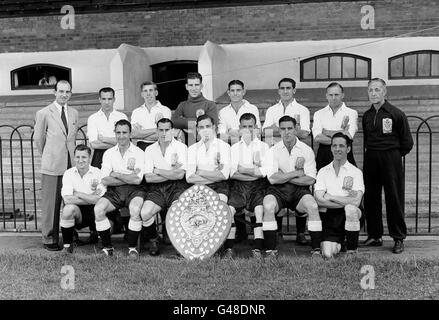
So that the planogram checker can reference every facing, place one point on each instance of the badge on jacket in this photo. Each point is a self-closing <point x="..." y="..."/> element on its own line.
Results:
<point x="387" y="125"/>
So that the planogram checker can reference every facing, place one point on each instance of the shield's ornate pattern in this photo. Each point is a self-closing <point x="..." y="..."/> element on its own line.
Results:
<point x="198" y="223"/>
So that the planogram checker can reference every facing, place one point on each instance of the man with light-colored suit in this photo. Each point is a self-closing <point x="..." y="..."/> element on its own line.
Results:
<point x="55" y="130"/>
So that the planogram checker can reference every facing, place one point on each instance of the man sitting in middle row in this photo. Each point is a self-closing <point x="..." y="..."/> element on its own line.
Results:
<point x="165" y="168"/>
<point x="248" y="177"/>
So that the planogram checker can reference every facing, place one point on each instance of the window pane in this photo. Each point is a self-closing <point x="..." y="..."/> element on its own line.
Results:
<point x="309" y="70"/>
<point x="396" y="68"/>
<point x="322" y="68"/>
<point x="410" y="66"/>
<point x="435" y="64"/>
<point x="348" y="68"/>
<point x="335" y="67"/>
<point x="424" y="64"/>
<point x="362" y="69"/>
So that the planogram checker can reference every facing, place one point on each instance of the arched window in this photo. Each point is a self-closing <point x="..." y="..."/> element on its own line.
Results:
<point x="335" y="66"/>
<point x="414" y="65"/>
<point x="39" y="76"/>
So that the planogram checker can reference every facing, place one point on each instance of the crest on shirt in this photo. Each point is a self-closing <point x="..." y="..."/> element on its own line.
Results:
<point x="300" y="163"/>
<point x="348" y="183"/>
<point x="131" y="163"/>
<point x="198" y="223"/>
<point x="387" y="125"/>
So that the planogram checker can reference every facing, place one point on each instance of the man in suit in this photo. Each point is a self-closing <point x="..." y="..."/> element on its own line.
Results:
<point x="55" y="130"/>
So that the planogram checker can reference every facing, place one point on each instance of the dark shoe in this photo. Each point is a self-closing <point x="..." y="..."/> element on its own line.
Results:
<point x="69" y="249"/>
<point x="343" y="247"/>
<point x="108" y="251"/>
<point x="154" y="247"/>
<point x="92" y="239"/>
<point x="53" y="247"/>
<point x="398" y="247"/>
<point x="228" y="253"/>
<point x="371" y="242"/>
<point x="166" y="241"/>
<point x="301" y="239"/>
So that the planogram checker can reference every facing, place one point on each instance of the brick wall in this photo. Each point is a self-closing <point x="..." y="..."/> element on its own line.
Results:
<point x="312" y="21"/>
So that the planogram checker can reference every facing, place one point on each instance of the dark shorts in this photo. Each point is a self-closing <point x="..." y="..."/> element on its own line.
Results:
<point x="165" y="193"/>
<point x="121" y="196"/>
<point x="220" y="187"/>
<point x="87" y="216"/>
<point x="333" y="221"/>
<point x="247" y="194"/>
<point x="287" y="195"/>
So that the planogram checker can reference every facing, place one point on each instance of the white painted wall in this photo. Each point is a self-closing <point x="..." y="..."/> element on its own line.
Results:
<point x="262" y="65"/>
<point x="90" y="68"/>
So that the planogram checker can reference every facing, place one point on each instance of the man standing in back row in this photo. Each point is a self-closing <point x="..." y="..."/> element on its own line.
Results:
<point x="387" y="139"/>
<point x="187" y="112"/>
<point x="55" y="130"/>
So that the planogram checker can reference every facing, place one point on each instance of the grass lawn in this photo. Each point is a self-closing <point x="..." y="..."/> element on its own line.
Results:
<point x="36" y="274"/>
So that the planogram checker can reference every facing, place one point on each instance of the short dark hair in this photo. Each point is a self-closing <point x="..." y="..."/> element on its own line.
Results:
<point x="235" y="82"/>
<point x="204" y="117"/>
<point x="248" y="116"/>
<point x="165" y="120"/>
<point x="62" y="81"/>
<point x="148" y="83"/>
<point x="194" y="75"/>
<point x="287" y="80"/>
<point x="335" y="84"/>
<point x="82" y="147"/>
<point x="342" y="135"/>
<point x="287" y="119"/>
<point x="122" y="122"/>
<point x="106" y="89"/>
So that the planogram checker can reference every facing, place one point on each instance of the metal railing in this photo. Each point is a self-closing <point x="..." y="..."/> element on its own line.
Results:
<point x="20" y="178"/>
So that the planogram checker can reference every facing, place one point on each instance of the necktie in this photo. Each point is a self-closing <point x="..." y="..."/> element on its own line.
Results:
<point x="64" y="120"/>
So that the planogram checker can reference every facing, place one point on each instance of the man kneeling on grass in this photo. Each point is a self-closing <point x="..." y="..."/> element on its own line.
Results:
<point x="338" y="191"/>
<point x="81" y="189"/>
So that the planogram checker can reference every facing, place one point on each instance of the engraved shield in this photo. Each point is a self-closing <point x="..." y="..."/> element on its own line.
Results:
<point x="198" y="223"/>
<point x="348" y="183"/>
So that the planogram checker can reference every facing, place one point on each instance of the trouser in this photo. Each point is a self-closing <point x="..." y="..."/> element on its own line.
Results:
<point x="384" y="169"/>
<point x="324" y="156"/>
<point x="96" y="160"/>
<point x="50" y="208"/>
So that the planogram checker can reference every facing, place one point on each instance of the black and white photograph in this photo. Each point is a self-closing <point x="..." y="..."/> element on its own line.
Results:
<point x="219" y="158"/>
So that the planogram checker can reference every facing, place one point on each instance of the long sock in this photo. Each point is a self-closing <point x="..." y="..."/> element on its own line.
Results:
<point x="151" y="231"/>
<point x="279" y="221"/>
<point x="258" y="243"/>
<point x="67" y="235"/>
<point x="134" y="228"/>
<point x="315" y="231"/>
<point x="104" y="229"/>
<point x="270" y="234"/>
<point x="300" y="224"/>
<point x="352" y="239"/>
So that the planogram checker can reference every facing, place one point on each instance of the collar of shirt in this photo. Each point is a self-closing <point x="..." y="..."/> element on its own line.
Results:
<point x="101" y="113"/>
<point x="156" y="105"/>
<point x="298" y="145"/>
<point x="341" y="109"/>
<point x="76" y="171"/>
<point x="130" y="148"/>
<point x="254" y="141"/>
<point x="293" y="104"/>
<point x="244" y="105"/>
<point x="213" y="144"/>
<point x="385" y="106"/>
<point x="59" y="107"/>
<point x="345" y="167"/>
<point x="171" y="145"/>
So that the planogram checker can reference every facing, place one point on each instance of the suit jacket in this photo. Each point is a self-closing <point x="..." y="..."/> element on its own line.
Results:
<point x="52" y="141"/>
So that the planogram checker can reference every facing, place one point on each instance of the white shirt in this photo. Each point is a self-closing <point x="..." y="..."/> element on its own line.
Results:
<point x="175" y="152"/>
<point x="229" y="119"/>
<point x="88" y="184"/>
<point x="59" y="107"/>
<point x="280" y="159"/>
<point x="294" y="109"/>
<point x="349" y="178"/>
<point x="113" y="161"/>
<point x="326" y="119"/>
<point x="97" y="123"/>
<point x="199" y="157"/>
<point x="245" y="155"/>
